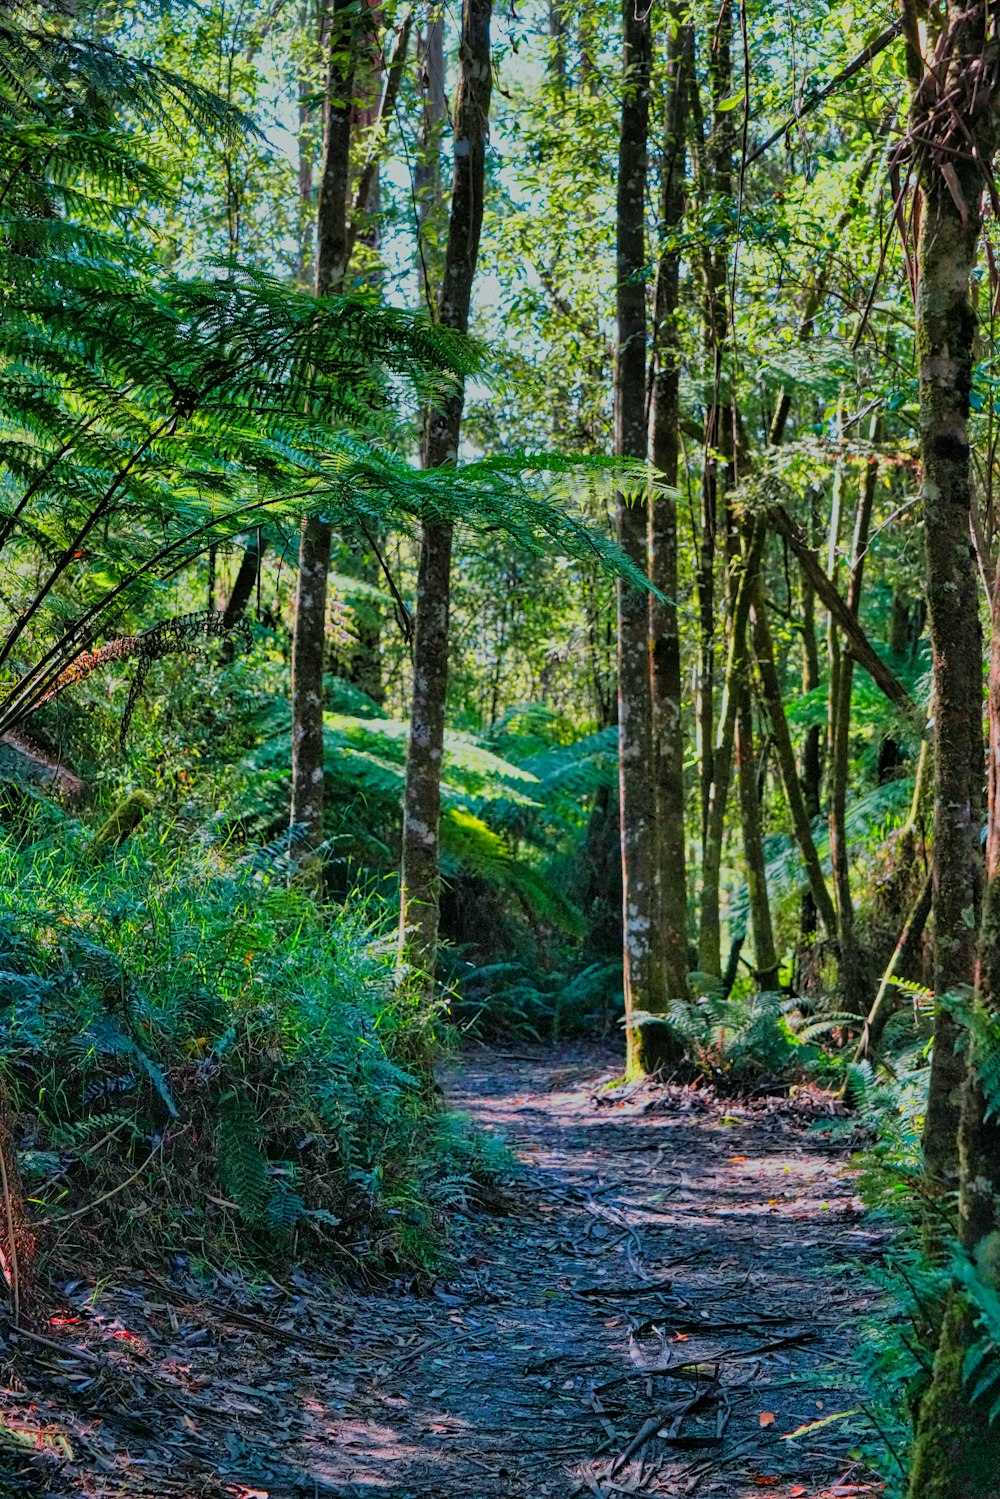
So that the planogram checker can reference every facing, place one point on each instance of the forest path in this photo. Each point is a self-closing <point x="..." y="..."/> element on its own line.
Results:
<point x="668" y="1306"/>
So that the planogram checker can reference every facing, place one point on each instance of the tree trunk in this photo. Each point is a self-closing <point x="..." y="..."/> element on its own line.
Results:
<point x="557" y="44"/>
<point x="241" y="593"/>
<point x="670" y="871"/>
<point x="709" y="933"/>
<point x="762" y="930"/>
<point x="841" y="685"/>
<point x="637" y="787"/>
<point x="945" y="335"/>
<point x="811" y="754"/>
<point x="956" y="1450"/>
<point x="427" y="162"/>
<point x="716" y="181"/>
<point x="420" y="877"/>
<point x="246" y="580"/>
<point x="811" y="772"/>
<point x="309" y="639"/>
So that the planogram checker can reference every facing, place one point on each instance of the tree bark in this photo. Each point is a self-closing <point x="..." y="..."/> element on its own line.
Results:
<point x="309" y="638"/>
<point x="420" y="876"/>
<point x="242" y="590"/>
<point x="670" y="868"/>
<point x="643" y="977"/>
<point x="956" y="1450"/>
<point x="841" y="685"/>
<point x="945" y="336"/>
<point x="716" y="180"/>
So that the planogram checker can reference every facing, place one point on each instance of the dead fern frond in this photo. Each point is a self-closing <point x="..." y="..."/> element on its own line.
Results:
<point x="171" y="637"/>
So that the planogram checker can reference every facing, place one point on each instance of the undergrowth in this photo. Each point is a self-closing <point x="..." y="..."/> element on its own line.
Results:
<point x="192" y="1055"/>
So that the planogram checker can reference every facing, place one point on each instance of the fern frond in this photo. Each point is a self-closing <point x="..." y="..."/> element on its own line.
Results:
<point x="241" y="1164"/>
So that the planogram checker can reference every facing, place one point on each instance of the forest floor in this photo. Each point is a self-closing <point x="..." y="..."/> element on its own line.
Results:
<point x="675" y="1291"/>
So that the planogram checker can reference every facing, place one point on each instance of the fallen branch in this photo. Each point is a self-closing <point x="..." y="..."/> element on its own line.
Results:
<point x="861" y="648"/>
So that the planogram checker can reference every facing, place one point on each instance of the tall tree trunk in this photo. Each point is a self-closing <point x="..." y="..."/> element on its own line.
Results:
<point x="811" y="753"/>
<point x="420" y="877"/>
<point x="309" y="639"/>
<point x="643" y="979"/>
<point x="716" y="182"/>
<point x="427" y="163"/>
<point x="670" y="869"/>
<point x="945" y="336"/>
<point x="956" y="1452"/>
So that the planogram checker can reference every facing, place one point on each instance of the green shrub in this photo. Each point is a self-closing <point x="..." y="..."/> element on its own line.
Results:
<point x="178" y="1015"/>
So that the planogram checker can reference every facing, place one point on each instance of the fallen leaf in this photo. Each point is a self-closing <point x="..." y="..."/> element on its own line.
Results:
<point x="766" y="1418"/>
<point x="796" y="1492"/>
<point x="737" y="1158"/>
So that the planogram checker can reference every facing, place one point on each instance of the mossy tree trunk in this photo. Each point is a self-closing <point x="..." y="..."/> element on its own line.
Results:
<point x="670" y="866"/>
<point x="643" y="977"/>
<point x="956" y="1452"/>
<point x="945" y="336"/>
<point x="420" y="877"/>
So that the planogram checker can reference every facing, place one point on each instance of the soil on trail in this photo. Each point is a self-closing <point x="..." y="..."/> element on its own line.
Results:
<point x="678" y="1294"/>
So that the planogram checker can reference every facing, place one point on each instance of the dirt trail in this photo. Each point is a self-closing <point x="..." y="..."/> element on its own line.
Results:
<point x="668" y="1308"/>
